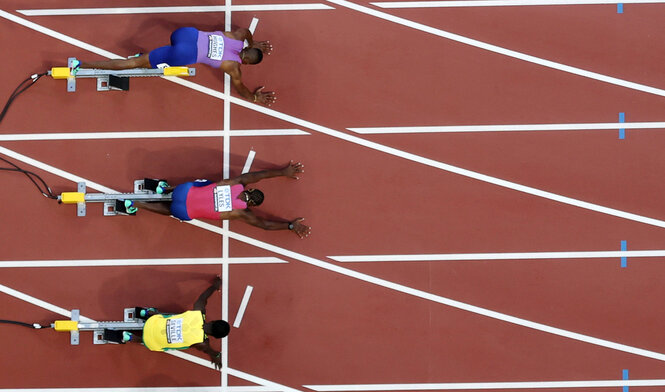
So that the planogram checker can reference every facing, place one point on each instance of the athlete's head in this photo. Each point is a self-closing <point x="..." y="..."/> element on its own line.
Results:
<point x="251" y="56"/>
<point x="217" y="329"/>
<point x="253" y="197"/>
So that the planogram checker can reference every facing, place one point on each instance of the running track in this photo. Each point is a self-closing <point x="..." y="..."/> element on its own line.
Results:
<point x="312" y="320"/>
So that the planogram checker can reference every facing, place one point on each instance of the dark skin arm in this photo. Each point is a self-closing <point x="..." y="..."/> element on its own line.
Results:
<point x="291" y="170"/>
<point x="200" y="304"/>
<point x="202" y="301"/>
<point x="215" y="356"/>
<point x="233" y="69"/>
<point x="249" y="217"/>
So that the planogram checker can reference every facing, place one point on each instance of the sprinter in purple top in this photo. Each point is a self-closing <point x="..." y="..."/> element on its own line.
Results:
<point x="217" y="49"/>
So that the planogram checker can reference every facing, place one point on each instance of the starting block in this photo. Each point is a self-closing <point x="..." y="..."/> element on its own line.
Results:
<point x="114" y="79"/>
<point x="73" y="326"/>
<point x="80" y="198"/>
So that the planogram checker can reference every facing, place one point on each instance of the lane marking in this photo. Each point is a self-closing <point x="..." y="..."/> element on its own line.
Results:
<point x="224" y="377"/>
<point x="252" y="388"/>
<point x="248" y="162"/>
<point x="425" y="161"/>
<point x="149" y="134"/>
<point x="510" y="128"/>
<point x="253" y="24"/>
<point x="624" y="375"/>
<point x="42" y="304"/>
<point x="487" y="385"/>
<point x="164" y="10"/>
<point x="501" y="256"/>
<point x="500" y="3"/>
<point x="251" y="28"/>
<point x="622" y="130"/>
<point x="417" y="293"/>
<point x="498" y="49"/>
<point x="128" y="262"/>
<point x="243" y="306"/>
<point x="359" y="141"/>
<point x="432" y="297"/>
<point x="179" y="354"/>
<point x="624" y="259"/>
<point x="620" y="11"/>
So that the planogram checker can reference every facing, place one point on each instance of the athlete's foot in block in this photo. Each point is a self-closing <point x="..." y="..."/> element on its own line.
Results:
<point x="75" y="67"/>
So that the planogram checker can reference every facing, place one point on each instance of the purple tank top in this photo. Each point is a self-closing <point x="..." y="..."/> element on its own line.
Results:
<point x="213" y="47"/>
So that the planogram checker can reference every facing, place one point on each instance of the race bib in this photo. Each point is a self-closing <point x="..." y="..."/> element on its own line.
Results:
<point x="174" y="331"/>
<point x="215" y="47"/>
<point x="223" y="201"/>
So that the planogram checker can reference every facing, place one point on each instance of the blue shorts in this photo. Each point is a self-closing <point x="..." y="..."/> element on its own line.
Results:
<point x="179" y="199"/>
<point x="182" y="50"/>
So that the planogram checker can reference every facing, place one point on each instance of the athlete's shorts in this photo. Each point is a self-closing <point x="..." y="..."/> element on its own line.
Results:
<point x="179" y="199"/>
<point x="181" y="52"/>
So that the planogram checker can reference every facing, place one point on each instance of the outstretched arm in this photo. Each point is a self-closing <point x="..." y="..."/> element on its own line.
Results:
<point x="258" y="96"/>
<point x="202" y="301"/>
<point x="296" y="225"/>
<point x="215" y="356"/>
<point x="291" y="170"/>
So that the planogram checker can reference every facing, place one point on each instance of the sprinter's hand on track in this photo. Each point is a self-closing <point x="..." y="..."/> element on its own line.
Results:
<point x="301" y="230"/>
<point x="264" y="97"/>
<point x="263" y="46"/>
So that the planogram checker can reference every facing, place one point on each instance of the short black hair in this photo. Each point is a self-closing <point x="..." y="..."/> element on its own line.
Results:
<point x="253" y="55"/>
<point x="255" y="197"/>
<point x="219" y="329"/>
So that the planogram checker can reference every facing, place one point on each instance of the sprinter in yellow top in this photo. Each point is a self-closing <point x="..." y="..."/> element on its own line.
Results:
<point x="177" y="331"/>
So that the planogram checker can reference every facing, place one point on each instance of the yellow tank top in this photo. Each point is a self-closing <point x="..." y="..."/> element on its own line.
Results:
<point x="175" y="332"/>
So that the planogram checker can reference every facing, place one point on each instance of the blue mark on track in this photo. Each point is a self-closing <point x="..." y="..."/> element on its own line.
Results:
<point x="624" y="264"/>
<point x="622" y="131"/>
<point x="620" y="8"/>
<point x="625" y="377"/>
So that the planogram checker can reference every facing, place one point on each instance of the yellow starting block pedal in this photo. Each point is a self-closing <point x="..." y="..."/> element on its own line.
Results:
<point x="60" y="73"/>
<point x="66" y="325"/>
<point x="72" y="197"/>
<point x="176" y="71"/>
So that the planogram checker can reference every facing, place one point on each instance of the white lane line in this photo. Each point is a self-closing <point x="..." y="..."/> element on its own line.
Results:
<point x="224" y="376"/>
<point x="500" y="256"/>
<point x="425" y="295"/>
<point x="248" y="162"/>
<point x="432" y="297"/>
<point x="164" y="10"/>
<point x="487" y="385"/>
<point x="510" y="128"/>
<point x="252" y="28"/>
<point x="426" y="161"/>
<point x="498" y="49"/>
<point x="243" y="306"/>
<point x="56" y="171"/>
<point x="127" y="262"/>
<point x="182" y="355"/>
<point x="149" y="134"/>
<point x="42" y="304"/>
<point x="253" y="24"/>
<point x="363" y="142"/>
<point x="252" y="388"/>
<point x="499" y="3"/>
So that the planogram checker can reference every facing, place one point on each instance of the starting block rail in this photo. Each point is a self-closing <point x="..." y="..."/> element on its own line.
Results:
<point x="80" y="198"/>
<point x="73" y="326"/>
<point x="114" y="79"/>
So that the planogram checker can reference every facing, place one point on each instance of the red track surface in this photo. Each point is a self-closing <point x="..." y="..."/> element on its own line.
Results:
<point x="339" y="69"/>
